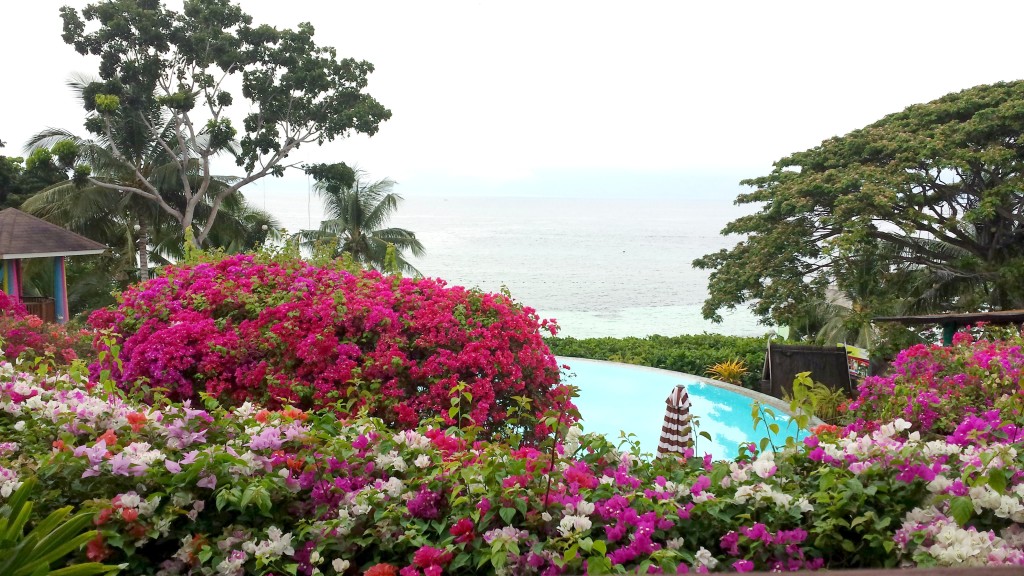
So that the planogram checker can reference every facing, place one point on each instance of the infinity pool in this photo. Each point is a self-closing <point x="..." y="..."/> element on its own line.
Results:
<point x="622" y="397"/>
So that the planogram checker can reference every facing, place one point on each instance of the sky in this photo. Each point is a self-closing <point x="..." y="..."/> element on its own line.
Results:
<point x="583" y="98"/>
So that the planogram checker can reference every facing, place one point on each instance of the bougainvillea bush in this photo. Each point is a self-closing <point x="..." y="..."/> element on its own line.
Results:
<point x="25" y="334"/>
<point x="179" y="489"/>
<point x="285" y="332"/>
<point x="934" y="386"/>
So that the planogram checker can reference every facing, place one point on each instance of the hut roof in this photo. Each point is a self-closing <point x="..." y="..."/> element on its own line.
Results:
<point x="25" y="236"/>
<point x="962" y="319"/>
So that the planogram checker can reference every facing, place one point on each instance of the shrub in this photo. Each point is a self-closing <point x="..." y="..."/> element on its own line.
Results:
<point x="689" y="353"/>
<point x="731" y="371"/>
<point x="282" y="333"/>
<point x="934" y="387"/>
<point x="180" y="490"/>
<point x="22" y="333"/>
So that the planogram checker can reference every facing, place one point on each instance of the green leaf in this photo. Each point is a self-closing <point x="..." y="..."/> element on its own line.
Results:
<point x="247" y="496"/>
<point x="507" y="514"/>
<point x="600" y="547"/>
<point x="961" y="508"/>
<point x="571" y="554"/>
<point x="997" y="480"/>
<point x="461" y="560"/>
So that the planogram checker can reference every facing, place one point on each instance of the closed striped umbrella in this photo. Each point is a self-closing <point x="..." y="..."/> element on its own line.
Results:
<point x="676" y="434"/>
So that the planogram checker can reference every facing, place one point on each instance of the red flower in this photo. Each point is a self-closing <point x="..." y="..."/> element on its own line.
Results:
<point x="109" y="437"/>
<point x="463" y="531"/>
<point x="137" y="420"/>
<point x="381" y="570"/>
<point x="129" y="514"/>
<point x="102" y="516"/>
<point x="430" y="556"/>
<point x="96" y="550"/>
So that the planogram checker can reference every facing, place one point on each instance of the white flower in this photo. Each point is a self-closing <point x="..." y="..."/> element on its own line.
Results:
<point x="939" y="484"/>
<point x="703" y="497"/>
<point x="706" y="558"/>
<point x="804" y="505"/>
<point x="743" y="493"/>
<point x="393" y="487"/>
<point x="545" y="516"/>
<point x="675" y="543"/>
<point x="422" y="461"/>
<point x="781" y="499"/>
<point x="585" y="508"/>
<point x="19" y="425"/>
<point x="572" y="439"/>
<point x="738" y="472"/>
<point x="130" y="500"/>
<point x="764" y="466"/>
<point x="572" y="524"/>
<point x="340" y="565"/>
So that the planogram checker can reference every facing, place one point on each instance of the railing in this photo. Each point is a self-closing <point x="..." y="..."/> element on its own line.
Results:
<point x="43" y="307"/>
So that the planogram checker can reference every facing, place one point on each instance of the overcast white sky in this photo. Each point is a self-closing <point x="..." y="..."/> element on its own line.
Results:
<point x="548" y="97"/>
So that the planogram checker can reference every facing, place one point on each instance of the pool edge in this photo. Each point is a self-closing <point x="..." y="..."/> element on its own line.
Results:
<point x="758" y="396"/>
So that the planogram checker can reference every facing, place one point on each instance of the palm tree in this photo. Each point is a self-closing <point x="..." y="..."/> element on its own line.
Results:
<point x="356" y="225"/>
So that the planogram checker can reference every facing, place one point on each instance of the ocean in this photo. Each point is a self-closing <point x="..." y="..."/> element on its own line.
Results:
<point x="599" y="266"/>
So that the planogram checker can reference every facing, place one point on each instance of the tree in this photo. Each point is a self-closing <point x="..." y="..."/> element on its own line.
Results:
<point x="931" y="197"/>
<point x="19" y="177"/>
<point x="357" y="215"/>
<point x="126" y="222"/>
<point x="166" y="75"/>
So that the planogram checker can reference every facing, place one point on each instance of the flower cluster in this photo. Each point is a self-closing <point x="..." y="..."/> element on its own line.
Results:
<point x="934" y="386"/>
<point x="22" y="333"/>
<point x="179" y="489"/>
<point x="282" y="333"/>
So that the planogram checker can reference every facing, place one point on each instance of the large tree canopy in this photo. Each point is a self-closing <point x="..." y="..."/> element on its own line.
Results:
<point x="169" y="79"/>
<point x="929" y="199"/>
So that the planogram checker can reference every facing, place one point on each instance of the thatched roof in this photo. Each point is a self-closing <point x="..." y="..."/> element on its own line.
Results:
<point x="25" y="236"/>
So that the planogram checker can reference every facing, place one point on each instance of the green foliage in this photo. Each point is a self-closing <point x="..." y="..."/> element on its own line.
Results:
<point x="687" y="353"/>
<point x="107" y="103"/>
<point x="920" y="211"/>
<point x="49" y="542"/>
<point x="815" y="398"/>
<point x="357" y="216"/>
<point x="163" y="78"/>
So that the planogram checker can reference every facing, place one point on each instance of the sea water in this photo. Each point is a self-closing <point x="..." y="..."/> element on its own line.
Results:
<point x="599" y="266"/>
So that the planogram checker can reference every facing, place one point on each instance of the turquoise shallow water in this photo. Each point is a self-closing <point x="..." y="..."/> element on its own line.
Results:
<point x="622" y="397"/>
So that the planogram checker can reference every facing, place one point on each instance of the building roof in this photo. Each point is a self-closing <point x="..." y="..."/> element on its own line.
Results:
<point x="25" y="236"/>
<point x="959" y="318"/>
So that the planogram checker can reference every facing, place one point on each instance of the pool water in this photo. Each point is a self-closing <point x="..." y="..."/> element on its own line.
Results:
<point x="622" y="397"/>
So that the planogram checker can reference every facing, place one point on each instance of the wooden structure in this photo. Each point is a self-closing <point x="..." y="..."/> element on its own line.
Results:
<point x="952" y="322"/>
<point x="783" y="362"/>
<point x="22" y="237"/>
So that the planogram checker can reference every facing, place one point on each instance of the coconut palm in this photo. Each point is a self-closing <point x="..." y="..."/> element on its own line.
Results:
<point x="357" y="225"/>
